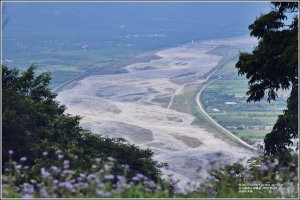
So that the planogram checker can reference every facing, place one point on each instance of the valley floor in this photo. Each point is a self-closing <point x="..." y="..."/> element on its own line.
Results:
<point x="138" y="106"/>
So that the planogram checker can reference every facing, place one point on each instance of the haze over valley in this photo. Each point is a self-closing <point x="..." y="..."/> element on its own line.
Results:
<point x="134" y="70"/>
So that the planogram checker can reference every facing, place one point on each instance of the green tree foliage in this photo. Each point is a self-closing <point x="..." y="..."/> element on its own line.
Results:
<point x="33" y="122"/>
<point x="273" y="65"/>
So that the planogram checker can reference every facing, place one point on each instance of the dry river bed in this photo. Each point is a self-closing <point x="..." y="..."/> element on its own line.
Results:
<point x="135" y="106"/>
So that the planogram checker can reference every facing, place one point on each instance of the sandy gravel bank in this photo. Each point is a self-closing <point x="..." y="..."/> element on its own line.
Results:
<point x="135" y="106"/>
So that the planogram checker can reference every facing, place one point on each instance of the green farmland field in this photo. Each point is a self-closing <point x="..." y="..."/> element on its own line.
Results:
<point x="225" y="101"/>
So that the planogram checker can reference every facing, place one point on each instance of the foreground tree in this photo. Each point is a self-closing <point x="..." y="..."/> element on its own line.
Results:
<point x="34" y="123"/>
<point x="273" y="65"/>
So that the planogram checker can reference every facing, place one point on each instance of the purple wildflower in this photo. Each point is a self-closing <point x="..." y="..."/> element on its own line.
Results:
<point x="54" y="187"/>
<point x="45" y="174"/>
<point x="91" y="176"/>
<point x="151" y="184"/>
<point x="66" y="162"/>
<point x="16" y="188"/>
<point x="28" y="188"/>
<point x="108" y="177"/>
<point x="212" y="191"/>
<point x="264" y="168"/>
<point x="121" y="177"/>
<point x="99" y="183"/>
<point x="210" y="169"/>
<point x="11" y="152"/>
<point x="269" y="161"/>
<point x="61" y="184"/>
<point x="18" y="166"/>
<point x="69" y="186"/>
<point x="106" y="194"/>
<point x="66" y="171"/>
<point x="27" y="196"/>
<point x="99" y="192"/>
<point x="111" y="158"/>
<point x="107" y="167"/>
<point x="245" y="172"/>
<point x="135" y="178"/>
<point x="23" y="158"/>
<point x="211" y="160"/>
<point x="54" y="168"/>
<point x="274" y="164"/>
<point x="141" y="176"/>
<point x="122" y="184"/>
<point x="158" y="189"/>
<point x="43" y="193"/>
<point x="83" y="185"/>
<point x="45" y="153"/>
<point x="66" y="185"/>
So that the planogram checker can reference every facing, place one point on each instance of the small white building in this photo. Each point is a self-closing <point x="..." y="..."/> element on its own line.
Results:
<point x="230" y="103"/>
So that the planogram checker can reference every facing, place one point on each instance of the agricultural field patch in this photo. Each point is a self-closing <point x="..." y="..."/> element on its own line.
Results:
<point x="225" y="101"/>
